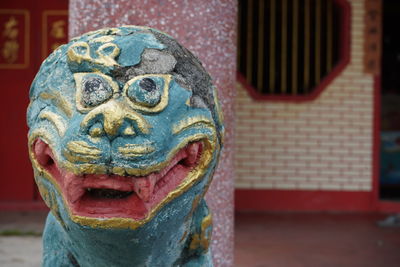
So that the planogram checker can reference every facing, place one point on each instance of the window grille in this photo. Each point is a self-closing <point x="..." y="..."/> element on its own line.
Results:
<point x="287" y="47"/>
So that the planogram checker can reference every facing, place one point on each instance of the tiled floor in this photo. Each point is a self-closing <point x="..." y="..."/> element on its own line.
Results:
<point x="315" y="240"/>
<point x="272" y="240"/>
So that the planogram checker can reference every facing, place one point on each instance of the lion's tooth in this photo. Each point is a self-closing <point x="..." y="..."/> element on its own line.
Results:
<point x="73" y="186"/>
<point x="192" y="152"/>
<point x="75" y="193"/>
<point x="144" y="187"/>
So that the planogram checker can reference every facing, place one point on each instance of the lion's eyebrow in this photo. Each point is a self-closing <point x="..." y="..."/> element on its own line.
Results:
<point x="58" y="100"/>
<point x="56" y="119"/>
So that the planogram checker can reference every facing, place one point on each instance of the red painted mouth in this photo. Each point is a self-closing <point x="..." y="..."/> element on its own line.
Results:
<point x="107" y="196"/>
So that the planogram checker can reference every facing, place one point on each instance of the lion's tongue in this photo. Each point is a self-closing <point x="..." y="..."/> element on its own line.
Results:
<point x="144" y="186"/>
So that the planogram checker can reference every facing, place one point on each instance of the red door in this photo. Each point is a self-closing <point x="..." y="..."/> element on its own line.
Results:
<point x="29" y="30"/>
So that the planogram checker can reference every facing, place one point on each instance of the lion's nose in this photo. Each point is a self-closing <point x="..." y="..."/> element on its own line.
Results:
<point x="114" y="118"/>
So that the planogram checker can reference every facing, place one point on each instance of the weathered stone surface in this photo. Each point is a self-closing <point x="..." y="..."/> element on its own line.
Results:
<point x="123" y="151"/>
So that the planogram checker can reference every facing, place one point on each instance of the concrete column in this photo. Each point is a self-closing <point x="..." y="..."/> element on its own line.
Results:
<point x="208" y="29"/>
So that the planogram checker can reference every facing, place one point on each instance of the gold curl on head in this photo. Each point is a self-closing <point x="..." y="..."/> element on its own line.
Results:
<point x="56" y="120"/>
<point x="108" y="60"/>
<point x="190" y="122"/>
<point x="79" y="57"/>
<point x="164" y="97"/>
<point x="58" y="100"/>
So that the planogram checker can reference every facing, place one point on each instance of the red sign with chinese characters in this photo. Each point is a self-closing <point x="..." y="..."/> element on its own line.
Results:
<point x="55" y="30"/>
<point x="14" y="38"/>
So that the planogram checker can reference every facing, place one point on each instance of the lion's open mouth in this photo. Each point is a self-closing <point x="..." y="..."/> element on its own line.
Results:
<point x="107" y="196"/>
<point x="107" y="193"/>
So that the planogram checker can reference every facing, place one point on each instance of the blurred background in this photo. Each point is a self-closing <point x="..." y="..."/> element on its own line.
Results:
<point x="316" y="158"/>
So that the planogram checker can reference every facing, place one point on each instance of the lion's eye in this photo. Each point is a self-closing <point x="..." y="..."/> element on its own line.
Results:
<point x="146" y="91"/>
<point x="148" y="84"/>
<point x="95" y="90"/>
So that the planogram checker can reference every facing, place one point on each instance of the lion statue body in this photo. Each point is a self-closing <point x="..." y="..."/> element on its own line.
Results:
<point x="125" y="134"/>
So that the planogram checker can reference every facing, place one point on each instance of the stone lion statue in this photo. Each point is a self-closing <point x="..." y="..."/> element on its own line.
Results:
<point x="125" y="134"/>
